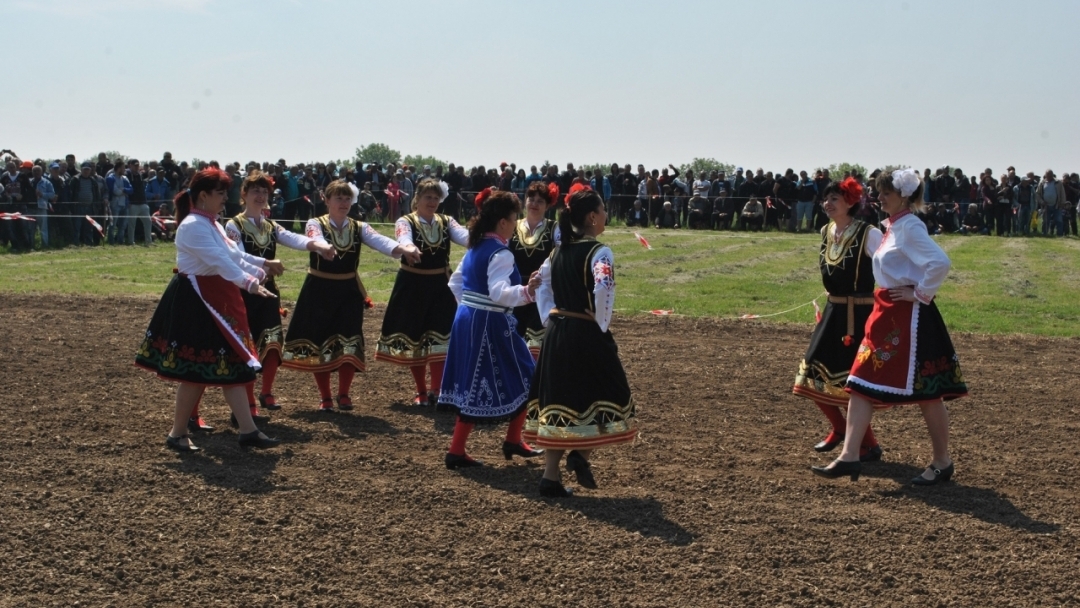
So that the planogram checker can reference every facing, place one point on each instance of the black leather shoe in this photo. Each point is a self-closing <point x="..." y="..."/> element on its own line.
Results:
<point x="871" y="455"/>
<point x="827" y="446"/>
<point x="939" y="475"/>
<point x="253" y="440"/>
<point x="344" y="403"/>
<point x="266" y="403"/>
<point x="839" y="468"/>
<point x="432" y="399"/>
<point x="553" y="489"/>
<point x="517" y="449"/>
<point x="576" y="464"/>
<point x="173" y="443"/>
<point x="196" y="424"/>
<point x="258" y="419"/>
<point x="453" y="461"/>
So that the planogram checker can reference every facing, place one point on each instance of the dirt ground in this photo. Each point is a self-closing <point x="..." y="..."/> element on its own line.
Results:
<point x="714" y="504"/>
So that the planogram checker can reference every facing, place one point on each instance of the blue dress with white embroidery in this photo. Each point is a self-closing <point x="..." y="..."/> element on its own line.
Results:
<point x="488" y="365"/>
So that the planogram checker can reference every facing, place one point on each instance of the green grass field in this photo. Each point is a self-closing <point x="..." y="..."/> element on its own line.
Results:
<point x="997" y="285"/>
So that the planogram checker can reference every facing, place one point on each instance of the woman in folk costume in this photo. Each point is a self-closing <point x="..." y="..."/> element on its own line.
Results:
<point x="416" y="326"/>
<point x="579" y="399"/>
<point x="488" y="366"/>
<point x="532" y="242"/>
<point x="326" y="330"/>
<point x="253" y="230"/>
<point x="906" y="356"/>
<point x="848" y="275"/>
<point x="199" y="333"/>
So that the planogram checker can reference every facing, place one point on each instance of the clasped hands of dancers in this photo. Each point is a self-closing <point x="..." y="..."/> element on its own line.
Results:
<point x="519" y="331"/>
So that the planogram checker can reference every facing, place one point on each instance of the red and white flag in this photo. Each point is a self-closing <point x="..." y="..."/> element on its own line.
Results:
<point x="642" y="240"/>
<point x="96" y="225"/>
<point x="662" y="313"/>
<point x="16" y="216"/>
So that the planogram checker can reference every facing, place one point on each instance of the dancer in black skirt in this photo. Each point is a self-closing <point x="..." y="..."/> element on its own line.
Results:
<point x="416" y="326"/>
<point x="906" y="356"/>
<point x="259" y="235"/>
<point x="326" y="332"/>
<point x="199" y="334"/>
<point x="579" y="398"/>
<point x="848" y="274"/>
<point x="532" y="242"/>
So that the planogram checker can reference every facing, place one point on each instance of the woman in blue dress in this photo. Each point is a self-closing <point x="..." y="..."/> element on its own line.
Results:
<point x="488" y="365"/>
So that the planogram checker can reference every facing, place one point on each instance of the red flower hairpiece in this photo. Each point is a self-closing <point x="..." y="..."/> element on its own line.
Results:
<point x="482" y="196"/>
<point x="553" y="193"/>
<point x="574" y="190"/>
<point x="852" y="190"/>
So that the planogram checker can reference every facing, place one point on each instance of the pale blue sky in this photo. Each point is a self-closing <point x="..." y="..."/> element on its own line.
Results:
<point x="772" y="83"/>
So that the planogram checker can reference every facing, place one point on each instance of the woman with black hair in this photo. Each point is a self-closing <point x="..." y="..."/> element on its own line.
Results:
<point x="199" y="333"/>
<point x="531" y="243"/>
<point x="580" y="398"/>
<point x="847" y="272"/>
<point x="488" y="365"/>
<point x="906" y="356"/>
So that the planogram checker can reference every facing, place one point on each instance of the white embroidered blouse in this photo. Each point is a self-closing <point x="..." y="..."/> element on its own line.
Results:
<point x="908" y="256"/>
<point x="368" y="236"/>
<point x="203" y="249"/>
<point x="285" y="237"/>
<point x="500" y="289"/>
<point x="603" y="263"/>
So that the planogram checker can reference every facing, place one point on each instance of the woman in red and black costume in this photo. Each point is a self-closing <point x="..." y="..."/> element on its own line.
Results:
<point x="253" y="230"/>
<point x="199" y="333"/>
<point x="420" y="313"/>
<point x="326" y="333"/>
<point x="534" y="238"/>
<point x="906" y="356"/>
<point x="847" y="272"/>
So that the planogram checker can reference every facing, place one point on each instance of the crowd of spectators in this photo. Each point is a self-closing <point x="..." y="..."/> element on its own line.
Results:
<point x="56" y="203"/>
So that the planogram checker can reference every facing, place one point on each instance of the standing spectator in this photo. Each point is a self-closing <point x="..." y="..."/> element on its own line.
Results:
<point x="46" y="196"/>
<point x="566" y="179"/>
<point x="157" y="189"/>
<point x="23" y="196"/>
<point x="1072" y="196"/>
<point x="70" y="167"/>
<point x="1050" y="195"/>
<point x="533" y="176"/>
<point x="987" y="196"/>
<point x="1025" y="197"/>
<point x="137" y="206"/>
<point x="806" y="194"/>
<point x="88" y="195"/>
<point x="408" y="189"/>
<point x="117" y="189"/>
<point x="103" y="165"/>
<point x="1003" y="207"/>
<point x="517" y="185"/>
<point x="602" y="186"/>
<point x="232" y="203"/>
<point x="64" y="211"/>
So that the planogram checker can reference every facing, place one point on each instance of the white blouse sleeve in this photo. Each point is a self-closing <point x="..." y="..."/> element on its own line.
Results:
<point x="251" y="264"/>
<point x="292" y="240"/>
<point x="457" y="283"/>
<point x="924" y="253"/>
<point x="458" y="233"/>
<point x="500" y="289"/>
<point x="403" y="231"/>
<point x="545" y="298"/>
<point x="313" y="231"/>
<point x="233" y="233"/>
<point x="201" y="242"/>
<point x="872" y="242"/>
<point x="603" y="267"/>
<point x="383" y="244"/>
<point x="556" y="236"/>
